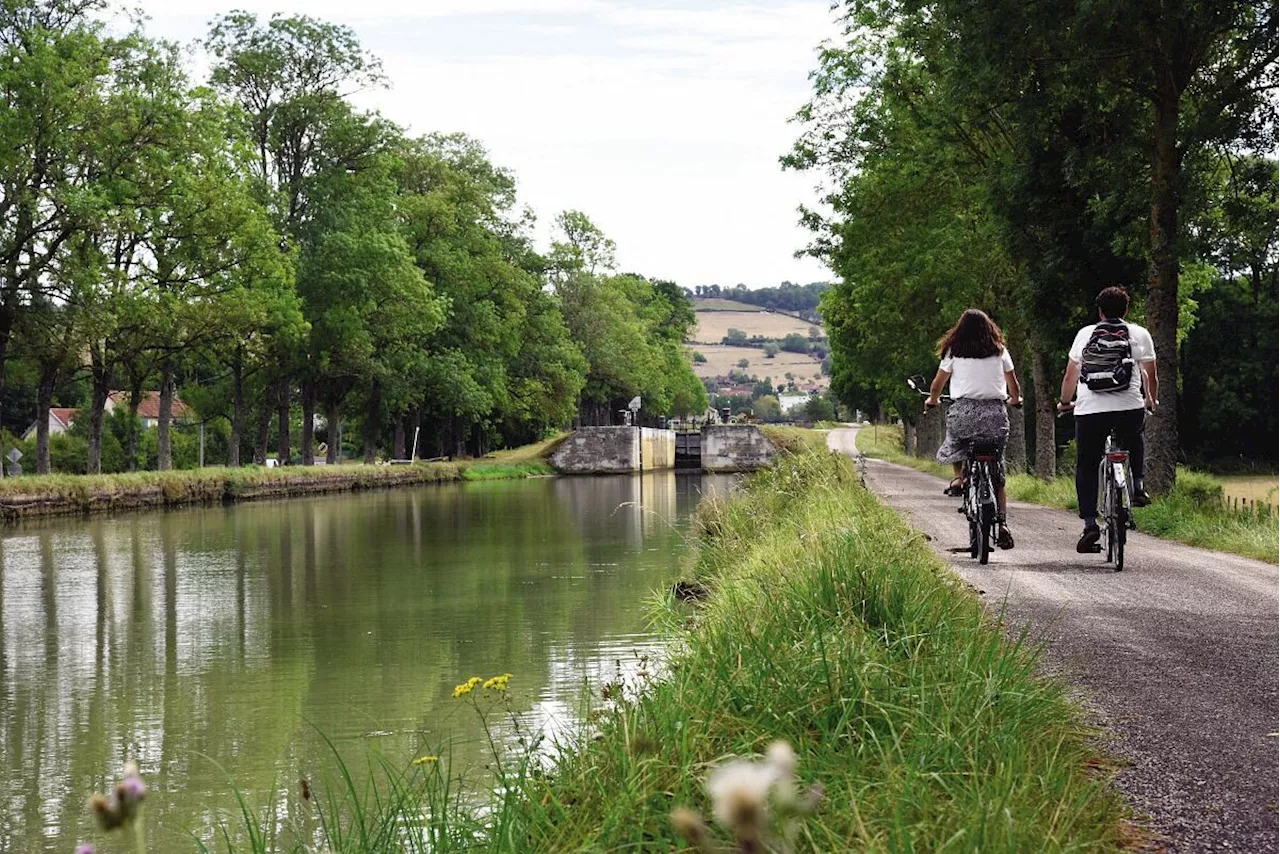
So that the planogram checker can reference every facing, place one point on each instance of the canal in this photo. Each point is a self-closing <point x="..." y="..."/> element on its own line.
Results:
<point x="228" y="643"/>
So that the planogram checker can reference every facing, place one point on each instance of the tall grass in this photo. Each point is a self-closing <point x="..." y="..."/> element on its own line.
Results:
<point x="833" y="627"/>
<point x="1193" y="513"/>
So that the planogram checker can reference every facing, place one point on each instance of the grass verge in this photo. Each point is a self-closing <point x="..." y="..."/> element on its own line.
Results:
<point x="66" y="494"/>
<point x="1193" y="513"/>
<point x="832" y="626"/>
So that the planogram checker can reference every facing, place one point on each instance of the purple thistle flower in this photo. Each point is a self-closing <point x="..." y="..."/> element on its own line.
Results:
<point x="133" y="788"/>
<point x="85" y="848"/>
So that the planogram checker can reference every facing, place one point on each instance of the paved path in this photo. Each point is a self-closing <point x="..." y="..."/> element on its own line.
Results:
<point x="1177" y="655"/>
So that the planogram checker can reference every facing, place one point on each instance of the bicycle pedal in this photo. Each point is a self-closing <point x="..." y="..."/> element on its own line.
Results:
<point x="1131" y="525"/>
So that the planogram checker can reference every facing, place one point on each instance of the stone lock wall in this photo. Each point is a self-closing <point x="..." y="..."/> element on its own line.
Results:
<point x="599" y="450"/>
<point x="735" y="447"/>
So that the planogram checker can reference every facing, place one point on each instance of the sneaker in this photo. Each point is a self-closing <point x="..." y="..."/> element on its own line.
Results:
<point x="1089" y="539"/>
<point x="1004" y="537"/>
<point x="1141" y="498"/>
<point x="955" y="488"/>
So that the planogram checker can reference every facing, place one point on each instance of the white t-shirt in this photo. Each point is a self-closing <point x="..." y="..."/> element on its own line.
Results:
<point x="978" y="379"/>
<point x="1092" y="402"/>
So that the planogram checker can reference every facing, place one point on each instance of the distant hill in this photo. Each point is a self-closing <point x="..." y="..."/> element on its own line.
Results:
<point x="800" y="300"/>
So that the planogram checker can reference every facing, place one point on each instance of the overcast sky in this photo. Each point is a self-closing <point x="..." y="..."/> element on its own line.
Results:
<point x="662" y="120"/>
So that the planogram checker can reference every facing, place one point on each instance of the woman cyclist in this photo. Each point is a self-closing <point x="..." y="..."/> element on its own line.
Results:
<point x="982" y="378"/>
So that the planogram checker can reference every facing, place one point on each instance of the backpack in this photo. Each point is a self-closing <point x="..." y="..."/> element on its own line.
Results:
<point x="1107" y="361"/>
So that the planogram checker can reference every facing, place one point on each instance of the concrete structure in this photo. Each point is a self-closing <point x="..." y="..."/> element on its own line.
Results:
<point x="616" y="450"/>
<point x="623" y="450"/>
<point x="735" y="447"/>
<point x="657" y="449"/>
<point x="599" y="450"/>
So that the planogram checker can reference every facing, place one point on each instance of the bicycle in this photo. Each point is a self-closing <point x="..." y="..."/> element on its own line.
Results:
<point x="979" y="491"/>
<point x="1115" y="498"/>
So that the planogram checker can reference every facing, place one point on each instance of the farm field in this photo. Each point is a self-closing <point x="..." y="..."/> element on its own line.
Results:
<point x="1246" y="487"/>
<point x="721" y="359"/>
<point x="713" y="326"/>
<point x="722" y="305"/>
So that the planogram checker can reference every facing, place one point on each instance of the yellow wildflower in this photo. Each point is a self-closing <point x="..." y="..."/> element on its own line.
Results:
<point x="426" y="760"/>
<point x="466" y="687"/>
<point x="497" y="683"/>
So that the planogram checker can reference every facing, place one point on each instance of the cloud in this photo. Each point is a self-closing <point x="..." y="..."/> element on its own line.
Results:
<point x="664" y="123"/>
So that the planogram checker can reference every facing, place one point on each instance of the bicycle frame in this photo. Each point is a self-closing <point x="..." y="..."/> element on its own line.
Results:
<point x="1115" y="499"/>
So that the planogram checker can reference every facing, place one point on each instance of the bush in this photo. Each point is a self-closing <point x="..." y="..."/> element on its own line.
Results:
<point x="795" y="343"/>
<point x="1200" y="489"/>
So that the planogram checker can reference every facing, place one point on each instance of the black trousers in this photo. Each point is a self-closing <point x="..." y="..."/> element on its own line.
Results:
<point x="1091" y="438"/>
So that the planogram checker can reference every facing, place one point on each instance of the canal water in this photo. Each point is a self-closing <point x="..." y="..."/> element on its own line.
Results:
<point x="227" y="644"/>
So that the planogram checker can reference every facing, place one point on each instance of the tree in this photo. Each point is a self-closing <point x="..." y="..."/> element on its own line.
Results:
<point x="698" y="358"/>
<point x="795" y="343"/>
<point x="59" y="145"/>
<point x="744" y="363"/>
<point x="736" y="338"/>
<point x="770" y="350"/>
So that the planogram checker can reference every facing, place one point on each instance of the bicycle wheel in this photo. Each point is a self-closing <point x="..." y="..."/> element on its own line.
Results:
<point x="985" y="526"/>
<point x="1119" y="523"/>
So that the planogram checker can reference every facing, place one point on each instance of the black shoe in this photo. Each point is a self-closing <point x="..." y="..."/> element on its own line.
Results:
<point x="1089" y="539"/>
<point x="1141" y="498"/>
<point x="955" y="489"/>
<point x="1004" y="539"/>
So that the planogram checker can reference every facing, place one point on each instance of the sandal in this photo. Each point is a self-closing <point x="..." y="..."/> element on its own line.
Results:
<point x="955" y="488"/>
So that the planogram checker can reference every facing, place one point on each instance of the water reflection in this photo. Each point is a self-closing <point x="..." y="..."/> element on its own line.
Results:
<point x="235" y="635"/>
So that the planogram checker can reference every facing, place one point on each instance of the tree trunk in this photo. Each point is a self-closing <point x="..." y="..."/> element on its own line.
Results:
<point x="164" y="447"/>
<point x="372" y="423"/>
<point x="135" y="398"/>
<point x="283" y="455"/>
<point x="397" y="441"/>
<point x="263" y="433"/>
<point x="308" y="440"/>
<point x="237" y="407"/>
<point x="1046" y="415"/>
<point x="931" y="431"/>
<point x="44" y="400"/>
<point x="1015" y="456"/>
<point x="1162" y="295"/>
<point x="908" y="438"/>
<point x="97" y="405"/>
<point x="333" y="415"/>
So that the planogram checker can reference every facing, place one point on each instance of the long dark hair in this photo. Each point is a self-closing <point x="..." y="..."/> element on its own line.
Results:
<point x="975" y="336"/>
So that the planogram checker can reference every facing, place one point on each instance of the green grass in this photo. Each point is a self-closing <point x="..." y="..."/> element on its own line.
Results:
<point x="1193" y="513"/>
<point x="830" y="625"/>
<point x="792" y="439"/>
<point x="38" y="495"/>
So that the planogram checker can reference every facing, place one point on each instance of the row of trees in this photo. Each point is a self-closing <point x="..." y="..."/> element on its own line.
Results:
<point x="1019" y="156"/>
<point x="286" y="259"/>
<point x="802" y="300"/>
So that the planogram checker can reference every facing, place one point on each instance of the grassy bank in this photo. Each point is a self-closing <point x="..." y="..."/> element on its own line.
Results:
<point x="68" y="494"/>
<point x="1193" y="513"/>
<point x="832" y="626"/>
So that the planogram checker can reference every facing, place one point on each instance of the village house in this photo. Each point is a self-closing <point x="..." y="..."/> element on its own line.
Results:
<point x="60" y="420"/>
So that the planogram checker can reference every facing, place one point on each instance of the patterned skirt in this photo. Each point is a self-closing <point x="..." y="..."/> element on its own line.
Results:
<point x="970" y="420"/>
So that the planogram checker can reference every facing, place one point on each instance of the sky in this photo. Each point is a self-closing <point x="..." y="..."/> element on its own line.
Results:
<point x="662" y="120"/>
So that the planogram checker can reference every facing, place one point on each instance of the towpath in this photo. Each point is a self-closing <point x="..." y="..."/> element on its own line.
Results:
<point x="1177" y="655"/>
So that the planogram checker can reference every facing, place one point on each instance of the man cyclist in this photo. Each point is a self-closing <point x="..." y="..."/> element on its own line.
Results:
<point x="1112" y="397"/>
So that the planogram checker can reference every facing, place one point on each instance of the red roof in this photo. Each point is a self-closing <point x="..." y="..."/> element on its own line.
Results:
<point x="66" y="416"/>
<point x="149" y="406"/>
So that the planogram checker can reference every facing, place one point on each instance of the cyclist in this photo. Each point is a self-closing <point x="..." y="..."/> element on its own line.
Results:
<point x="982" y="378"/>
<point x="1109" y="396"/>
